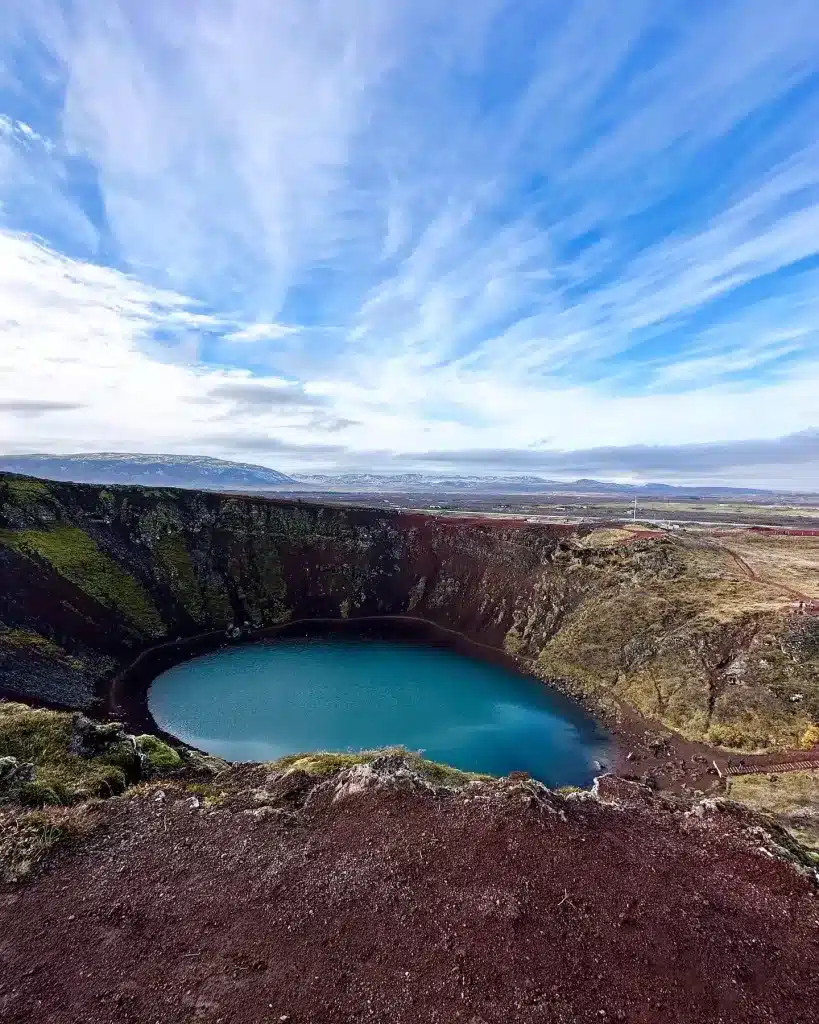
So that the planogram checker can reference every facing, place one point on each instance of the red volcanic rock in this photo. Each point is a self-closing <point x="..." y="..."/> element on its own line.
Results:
<point x="402" y="902"/>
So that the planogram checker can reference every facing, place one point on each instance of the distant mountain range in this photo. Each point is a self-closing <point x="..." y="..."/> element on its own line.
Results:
<point x="400" y="483"/>
<point x="193" y="471"/>
<point x="200" y="471"/>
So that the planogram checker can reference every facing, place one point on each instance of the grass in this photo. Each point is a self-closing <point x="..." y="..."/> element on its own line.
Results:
<point x="793" y="797"/>
<point x="43" y="739"/>
<point x="692" y="643"/>
<point x="323" y="763"/>
<point x="36" y="644"/>
<point x="23" y="490"/>
<point x="23" y="638"/>
<point x="779" y="561"/>
<point x="606" y="537"/>
<point x="26" y="839"/>
<point x="207" y="793"/>
<point x="76" y="556"/>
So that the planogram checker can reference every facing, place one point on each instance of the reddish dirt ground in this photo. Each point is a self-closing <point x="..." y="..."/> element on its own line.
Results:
<point x="399" y="907"/>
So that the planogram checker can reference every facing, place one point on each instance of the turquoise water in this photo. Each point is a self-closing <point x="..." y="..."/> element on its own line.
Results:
<point x="260" y="701"/>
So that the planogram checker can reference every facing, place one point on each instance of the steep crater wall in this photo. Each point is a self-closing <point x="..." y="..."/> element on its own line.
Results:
<point x="92" y="576"/>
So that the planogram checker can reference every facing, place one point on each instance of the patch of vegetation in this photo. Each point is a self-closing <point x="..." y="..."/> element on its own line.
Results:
<point x="513" y="641"/>
<point x="218" y="608"/>
<point x="793" y="797"/>
<point x="44" y="739"/>
<point x="810" y="737"/>
<point x="27" y="839"/>
<point x="173" y="556"/>
<point x="688" y="644"/>
<point x="76" y="556"/>
<point x="606" y="537"/>
<point x="158" y="756"/>
<point x="210" y="795"/>
<point x="22" y="639"/>
<point x="23" y="489"/>
<point x="36" y="646"/>
<point x="323" y="763"/>
<point x="205" y="792"/>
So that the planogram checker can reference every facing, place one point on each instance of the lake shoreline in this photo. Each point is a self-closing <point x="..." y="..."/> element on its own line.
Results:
<point x="125" y="696"/>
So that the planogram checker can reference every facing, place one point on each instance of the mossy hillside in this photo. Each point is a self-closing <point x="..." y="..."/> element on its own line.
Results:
<point x="76" y="556"/>
<point x="25" y="490"/>
<point x="685" y="644"/>
<point x="43" y="738"/>
<point x="25" y="501"/>
<point x="172" y="557"/>
<point x="36" y="645"/>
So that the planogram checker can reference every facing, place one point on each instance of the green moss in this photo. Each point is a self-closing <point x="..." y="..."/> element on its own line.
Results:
<point x="217" y="606"/>
<point x="23" y="490"/>
<point x="328" y="763"/>
<point x="159" y="756"/>
<point x="23" y="639"/>
<point x="75" y="555"/>
<point x="210" y="795"/>
<point x="43" y="738"/>
<point x="321" y="762"/>
<point x="173" y="556"/>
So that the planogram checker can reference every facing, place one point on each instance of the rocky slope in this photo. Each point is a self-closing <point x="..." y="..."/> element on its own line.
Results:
<point x="381" y="888"/>
<point x="94" y="575"/>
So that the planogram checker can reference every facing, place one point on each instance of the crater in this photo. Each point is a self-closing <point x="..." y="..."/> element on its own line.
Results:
<point x="376" y="686"/>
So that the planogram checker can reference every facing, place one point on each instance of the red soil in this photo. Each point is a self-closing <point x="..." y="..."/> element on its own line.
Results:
<point x="395" y="907"/>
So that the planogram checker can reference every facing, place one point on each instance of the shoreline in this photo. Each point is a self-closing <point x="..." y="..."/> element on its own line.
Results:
<point x="681" y="765"/>
<point x="125" y="695"/>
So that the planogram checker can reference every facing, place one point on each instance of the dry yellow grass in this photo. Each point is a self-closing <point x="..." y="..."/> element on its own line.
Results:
<point x="791" y="796"/>
<point x="607" y="537"/>
<point x="678" y="630"/>
<point x="780" y="561"/>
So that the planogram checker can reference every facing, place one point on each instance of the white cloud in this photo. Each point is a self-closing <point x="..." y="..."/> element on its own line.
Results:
<point x="262" y="332"/>
<point x="462" y="225"/>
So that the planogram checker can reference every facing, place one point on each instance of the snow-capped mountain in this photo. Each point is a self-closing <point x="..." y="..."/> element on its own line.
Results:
<point x="151" y="470"/>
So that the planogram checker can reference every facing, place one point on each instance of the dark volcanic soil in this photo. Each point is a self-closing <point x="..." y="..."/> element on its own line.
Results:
<point x="394" y="905"/>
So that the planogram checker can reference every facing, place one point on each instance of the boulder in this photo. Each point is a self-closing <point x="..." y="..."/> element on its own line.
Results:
<point x="90" y="738"/>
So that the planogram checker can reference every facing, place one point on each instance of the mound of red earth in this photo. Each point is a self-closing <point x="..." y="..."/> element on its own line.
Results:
<point x="373" y="895"/>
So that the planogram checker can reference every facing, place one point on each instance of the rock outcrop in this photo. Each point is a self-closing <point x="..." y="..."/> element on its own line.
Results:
<point x="92" y="576"/>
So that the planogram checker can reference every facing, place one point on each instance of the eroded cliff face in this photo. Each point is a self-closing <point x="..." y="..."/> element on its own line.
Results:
<point x="93" y="575"/>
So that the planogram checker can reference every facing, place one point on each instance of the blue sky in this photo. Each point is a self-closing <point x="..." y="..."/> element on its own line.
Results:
<point x="521" y="236"/>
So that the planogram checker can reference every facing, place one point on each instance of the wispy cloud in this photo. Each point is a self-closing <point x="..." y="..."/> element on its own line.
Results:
<point x="459" y="227"/>
<point x="36" y="406"/>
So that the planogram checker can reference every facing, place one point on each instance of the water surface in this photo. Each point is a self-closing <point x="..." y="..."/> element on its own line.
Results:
<point x="260" y="701"/>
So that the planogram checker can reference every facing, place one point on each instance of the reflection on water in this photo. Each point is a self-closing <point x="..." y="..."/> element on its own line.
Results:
<point x="261" y="701"/>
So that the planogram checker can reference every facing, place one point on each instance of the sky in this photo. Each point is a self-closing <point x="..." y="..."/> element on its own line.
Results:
<point x="487" y="236"/>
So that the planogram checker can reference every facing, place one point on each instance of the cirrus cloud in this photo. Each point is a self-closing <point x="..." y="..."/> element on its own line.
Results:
<point x="453" y="229"/>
